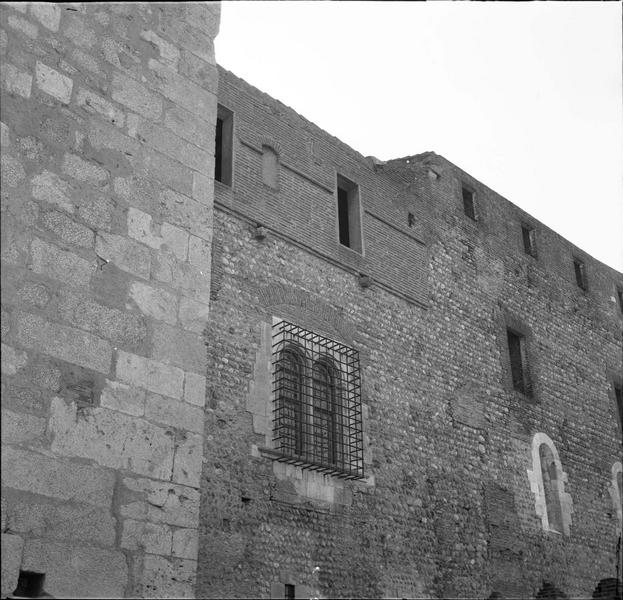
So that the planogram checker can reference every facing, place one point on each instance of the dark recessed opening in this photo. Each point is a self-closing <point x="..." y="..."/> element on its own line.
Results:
<point x="529" y="240"/>
<point x="618" y="397"/>
<point x="223" y="145"/>
<point x="288" y="591"/>
<point x="348" y="214"/>
<point x="30" y="585"/>
<point x="517" y="354"/>
<point x="411" y="219"/>
<point x="580" y="273"/>
<point x="468" y="203"/>
<point x="342" y="215"/>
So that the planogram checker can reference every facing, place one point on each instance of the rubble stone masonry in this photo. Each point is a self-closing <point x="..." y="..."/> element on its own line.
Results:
<point x="108" y="117"/>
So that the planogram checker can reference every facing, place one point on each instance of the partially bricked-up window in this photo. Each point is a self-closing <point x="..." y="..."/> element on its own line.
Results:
<point x="549" y="474"/>
<point x="518" y="362"/>
<point x="529" y="240"/>
<point x="469" y="203"/>
<point x="270" y="167"/>
<point x="317" y="402"/>
<point x="223" y="146"/>
<point x="348" y="214"/>
<point x="580" y="273"/>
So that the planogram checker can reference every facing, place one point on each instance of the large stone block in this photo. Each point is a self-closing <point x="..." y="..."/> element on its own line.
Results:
<point x="12" y="360"/>
<point x="92" y="103"/>
<point x="55" y="477"/>
<point x="173" y="578"/>
<point x="66" y="343"/>
<point x="16" y="81"/>
<point x="82" y="170"/>
<point x="126" y="254"/>
<point x="135" y="96"/>
<point x="195" y="389"/>
<point x="186" y="543"/>
<point x="77" y="571"/>
<point x="53" y="262"/>
<point x="193" y="315"/>
<point x="187" y="126"/>
<point x="20" y="427"/>
<point x="155" y="302"/>
<point x="54" y="83"/>
<point x="150" y="374"/>
<point x="188" y="460"/>
<point x="155" y="538"/>
<point x="124" y="398"/>
<point x="160" y="502"/>
<point x="174" y="413"/>
<point x="166" y="236"/>
<point x="12" y="548"/>
<point x="48" y="14"/>
<point x="68" y="230"/>
<point x="11" y="171"/>
<point x="35" y="516"/>
<point x="112" y="439"/>
<point x="49" y="187"/>
<point x="178" y="347"/>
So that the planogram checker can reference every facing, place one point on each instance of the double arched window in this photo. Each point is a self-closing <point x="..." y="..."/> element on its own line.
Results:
<point x="317" y="405"/>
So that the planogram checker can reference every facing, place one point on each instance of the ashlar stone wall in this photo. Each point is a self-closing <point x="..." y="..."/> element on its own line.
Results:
<point x="108" y="117"/>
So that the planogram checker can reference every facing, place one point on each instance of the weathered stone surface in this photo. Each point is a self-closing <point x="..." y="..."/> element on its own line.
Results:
<point x="20" y="427"/>
<point x="155" y="302"/>
<point x="112" y="440"/>
<point x="68" y="230"/>
<point x="124" y="398"/>
<point x="168" y="237"/>
<point x="160" y="502"/>
<point x="63" y="342"/>
<point x="55" y="477"/>
<point x="80" y="169"/>
<point x="135" y="96"/>
<point x="16" y="81"/>
<point x="53" y="262"/>
<point x="93" y="103"/>
<point x="178" y="347"/>
<point x="124" y="253"/>
<point x="77" y="571"/>
<point x="54" y="83"/>
<point x="172" y="578"/>
<point x="155" y="538"/>
<point x="11" y="170"/>
<point x="173" y="412"/>
<point x="48" y="14"/>
<point x="12" y="548"/>
<point x="185" y="543"/>
<point x="184" y="124"/>
<point x="36" y="516"/>
<point x="150" y="374"/>
<point x="49" y="187"/>
<point x="188" y="460"/>
<point x="193" y="315"/>
<point x="12" y="360"/>
<point x="195" y="389"/>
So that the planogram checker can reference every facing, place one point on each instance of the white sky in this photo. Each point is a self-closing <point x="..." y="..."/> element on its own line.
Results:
<point x="526" y="97"/>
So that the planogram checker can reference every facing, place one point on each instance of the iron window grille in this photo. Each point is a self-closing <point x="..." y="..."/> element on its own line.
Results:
<point x="317" y="402"/>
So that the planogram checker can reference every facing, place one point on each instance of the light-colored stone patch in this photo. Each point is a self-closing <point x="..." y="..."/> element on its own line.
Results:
<point x="20" y="427"/>
<point x="188" y="460"/>
<point x="195" y="389"/>
<point x="11" y="558"/>
<point x="169" y="54"/>
<point x="175" y="346"/>
<point x="203" y="189"/>
<point x="48" y="14"/>
<point x="5" y="139"/>
<point x="161" y="502"/>
<point x="64" y="342"/>
<point x="12" y="360"/>
<point x="185" y="124"/>
<point x="92" y="103"/>
<point x="16" y="81"/>
<point x="111" y="439"/>
<point x="124" y="398"/>
<point x="80" y="169"/>
<point x="73" y="571"/>
<point x="167" y="411"/>
<point x="154" y="302"/>
<point x="126" y="254"/>
<point x="150" y="374"/>
<point x="49" y="187"/>
<point x="200" y="253"/>
<point x="58" y="264"/>
<point x="54" y="83"/>
<point x="55" y="477"/>
<point x="26" y="27"/>
<point x="615" y="493"/>
<point x="135" y="96"/>
<point x="20" y="6"/>
<point x="12" y="171"/>
<point x="68" y="230"/>
<point x="193" y="315"/>
<point x="168" y="578"/>
<point x="142" y="228"/>
<point x="155" y="538"/>
<point x="186" y="543"/>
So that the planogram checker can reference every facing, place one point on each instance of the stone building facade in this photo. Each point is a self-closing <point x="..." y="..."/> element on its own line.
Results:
<point x="108" y="122"/>
<point x="239" y="359"/>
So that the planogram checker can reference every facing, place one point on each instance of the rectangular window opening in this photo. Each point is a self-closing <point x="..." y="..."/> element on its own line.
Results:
<point x="518" y="362"/>
<point x="618" y="397"/>
<point x="469" y="206"/>
<point x="580" y="273"/>
<point x="411" y="219"/>
<point x="620" y="298"/>
<point x="349" y="214"/>
<point x="529" y="240"/>
<point x="223" y="146"/>
<point x="289" y="591"/>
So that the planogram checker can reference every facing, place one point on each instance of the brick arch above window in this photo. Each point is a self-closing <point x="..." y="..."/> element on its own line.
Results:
<point x="558" y="480"/>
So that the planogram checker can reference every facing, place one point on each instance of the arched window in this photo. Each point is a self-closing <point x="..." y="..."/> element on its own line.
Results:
<point x="547" y="482"/>
<point x="549" y="474"/>
<point x="289" y="373"/>
<point x="325" y="433"/>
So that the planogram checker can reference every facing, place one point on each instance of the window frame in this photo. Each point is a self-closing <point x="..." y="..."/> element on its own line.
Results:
<point x="581" y="273"/>
<point x="472" y="213"/>
<point x="349" y="214"/>
<point x="528" y="234"/>
<point x="224" y="147"/>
